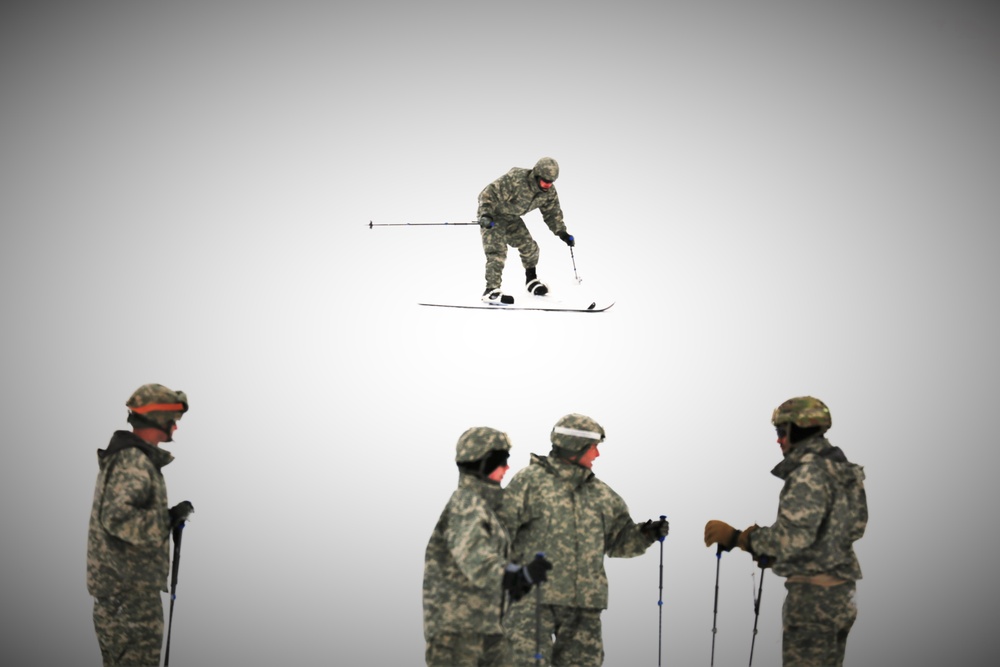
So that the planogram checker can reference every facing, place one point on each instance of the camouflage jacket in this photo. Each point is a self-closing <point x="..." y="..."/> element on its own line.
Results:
<point x="128" y="546"/>
<point x="514" y="194"/>
<point x="822" y="511"/>
<point x="563" y="510"/>
<point x="464" y="562"/>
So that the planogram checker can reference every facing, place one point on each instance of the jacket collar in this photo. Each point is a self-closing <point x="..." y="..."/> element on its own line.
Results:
<point x="564" y="470"/>
<point x="125" y="439"/>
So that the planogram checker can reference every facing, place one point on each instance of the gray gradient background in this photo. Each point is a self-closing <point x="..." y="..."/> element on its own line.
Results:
<point x="784" y="197"/>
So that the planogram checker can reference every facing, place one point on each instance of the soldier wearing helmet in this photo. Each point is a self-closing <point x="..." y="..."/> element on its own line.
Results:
<point x="501" y="205"/>
<point x="822" y="511"/>
<point x="468" y="576"/>
<point x="559" y="507"/>
<point x="128" y="546"/>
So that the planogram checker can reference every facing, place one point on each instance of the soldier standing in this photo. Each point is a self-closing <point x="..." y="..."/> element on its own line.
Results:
<point x="501" y="205"/>
<point x="466" y="566"/>
<point x="128" y="546"/>
<point x="822" y="511"/>
<point x="558" y="506"/>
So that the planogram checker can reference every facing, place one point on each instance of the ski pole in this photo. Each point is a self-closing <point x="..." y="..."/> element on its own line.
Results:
<point x="756" y="605"/>
<point x="659" y="647"/>
<point x="715" y="611"/>
<point x="538" y="617"/>
<point x="573" y="257"/>
<point x="175" y="566"/>
<point x="417" y="224"/>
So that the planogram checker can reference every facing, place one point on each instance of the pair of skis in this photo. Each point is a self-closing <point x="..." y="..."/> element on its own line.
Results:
<point x="540" y="303"/>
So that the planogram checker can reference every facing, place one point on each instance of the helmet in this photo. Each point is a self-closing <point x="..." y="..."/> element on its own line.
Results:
<point x="574" y="433"/>
<point x="804" y="412"/>
<point x="477" y="442"/>
<point x="546" y="169"/>
<point x="155" y="405"/>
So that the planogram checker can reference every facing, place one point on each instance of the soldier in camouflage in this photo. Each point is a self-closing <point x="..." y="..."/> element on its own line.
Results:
<point x="557" y="506"/>
<point x="467" y="572"/>
<point x="501" y="205"/>
<point x="128" y="546"/>
<point x="822" y="511"/>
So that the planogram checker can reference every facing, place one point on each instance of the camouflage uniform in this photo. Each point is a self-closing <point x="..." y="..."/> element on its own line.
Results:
<point x="822" y="511"/>
<point x="504" y="201"/>
<point x="128" y="545"/>
<point x="561" y="509"/>
<point x="463" y="569"/>
<point x="128" y="550"/>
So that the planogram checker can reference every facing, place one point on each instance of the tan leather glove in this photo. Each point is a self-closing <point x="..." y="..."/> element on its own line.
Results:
<point x="721" y="533"/>
<point x="743" y="540"/>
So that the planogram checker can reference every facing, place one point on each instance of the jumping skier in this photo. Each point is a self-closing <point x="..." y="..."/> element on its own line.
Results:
<point x="501" y="205"/>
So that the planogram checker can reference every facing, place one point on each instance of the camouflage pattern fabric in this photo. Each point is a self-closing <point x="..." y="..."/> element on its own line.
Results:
<point x="495" y="241"/>
<point x="565" y="511"/>
<point x="579" y="639"/>
<point x="450" y="649"/>
<point x="514" y="194"/>
<point x="463" y="569"/>
<point x="130" y="628"/>
<point x="816" y="621"/>
<point x="128" y="547"/>
<point x="156" y="405"/>
<point x="477" y="442"/>
<point x="505" y="200"/>
<point x="803" y="411"/>
<point x="822" y="510"/>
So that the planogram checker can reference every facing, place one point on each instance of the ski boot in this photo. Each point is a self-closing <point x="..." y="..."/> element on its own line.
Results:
<point x="495" y="297"/>
<point x="533" y="284"/>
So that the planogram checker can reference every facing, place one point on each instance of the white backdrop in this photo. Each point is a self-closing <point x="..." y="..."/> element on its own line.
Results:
<point x="784" y="198"/>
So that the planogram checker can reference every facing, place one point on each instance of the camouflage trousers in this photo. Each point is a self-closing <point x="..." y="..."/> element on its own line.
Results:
<point x="130" y="628"/>
<point x="816" y="621"/>
<point x="570" y="637"/>
<point x="505" y="233"/>
<point x="452" y="649"/>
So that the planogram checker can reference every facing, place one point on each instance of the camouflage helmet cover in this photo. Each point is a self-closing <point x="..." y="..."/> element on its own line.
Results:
<point x="804" y="412"/>
<point x="547" y="169"/>
<point x="477" y="442"/>
<point x="575" y="432"/>
<point x="157" y="405"/>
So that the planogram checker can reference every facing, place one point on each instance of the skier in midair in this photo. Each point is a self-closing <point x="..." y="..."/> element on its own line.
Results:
<point x="822" y="511"/>
<point x="501" y="205"/>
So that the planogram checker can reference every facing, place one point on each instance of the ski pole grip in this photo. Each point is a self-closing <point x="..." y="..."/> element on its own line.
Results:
<point x="663" y="517"/>
<point x="540" y="554"/>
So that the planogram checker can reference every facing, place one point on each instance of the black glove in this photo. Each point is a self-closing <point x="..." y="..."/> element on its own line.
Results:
<point x="567" y="239"/>
<point x="518" y="579"/>
<point x="537" y="569"/>
<point x="515" y="582"/>
<point x="655" y="530"/>
<point x="486" y="222"/>
<point x="180" y="512"/>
